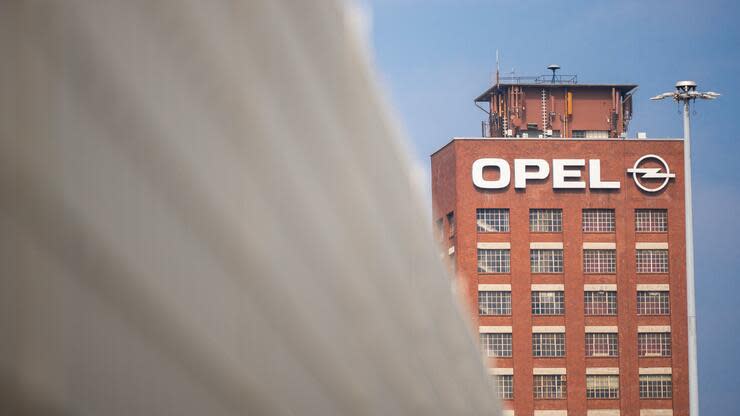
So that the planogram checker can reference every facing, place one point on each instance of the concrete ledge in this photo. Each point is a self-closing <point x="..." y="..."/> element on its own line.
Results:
<point x="507" y="413"/>
<point x="653" y="328"/>
<point x="501" y="371"/>
<point x="602" y="329"/>
<point x="494" y="329"/>
<point x="546" y="245"/>
<point x="494" y="288"/>
<point x="600" y="246"/>
<point x="550" y="413"/>
<point x="547" y="288"/>
<point x="598" y="288"/>
<point x="653" y="288"/>
<point x="543" y="371"/>
<point x="651" y="246"/>
<point x="656" y="370"/>
<point x="602" y="371"/>
<point x="547" y="329"/>
<point x="602" y="412"/>
<point x="656" y="412"/>
<point x="499" y="245"/>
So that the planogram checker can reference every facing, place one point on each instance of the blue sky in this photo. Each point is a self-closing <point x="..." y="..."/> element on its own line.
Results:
<point x="435" y="56"/>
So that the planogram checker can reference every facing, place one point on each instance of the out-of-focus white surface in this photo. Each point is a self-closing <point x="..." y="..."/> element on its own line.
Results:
<point x="206" y="211"/>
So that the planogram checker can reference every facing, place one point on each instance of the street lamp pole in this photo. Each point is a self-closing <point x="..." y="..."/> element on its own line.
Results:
<point x="686" y="92"/>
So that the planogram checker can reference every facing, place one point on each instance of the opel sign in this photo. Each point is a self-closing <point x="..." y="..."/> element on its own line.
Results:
<point x="566" y="173"/>
<point x="638" y="173"/>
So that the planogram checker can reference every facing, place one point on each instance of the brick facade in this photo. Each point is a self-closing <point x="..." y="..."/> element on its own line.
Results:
<point x="453" y="191"/>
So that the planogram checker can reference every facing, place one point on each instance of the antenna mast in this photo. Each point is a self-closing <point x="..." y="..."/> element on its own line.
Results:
<point x="497" y="67"/>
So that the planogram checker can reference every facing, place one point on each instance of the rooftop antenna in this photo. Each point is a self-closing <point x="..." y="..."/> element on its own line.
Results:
<point x="497" y="67"/>
<point x="553" y="68"/>
<point x="686" y="93"/>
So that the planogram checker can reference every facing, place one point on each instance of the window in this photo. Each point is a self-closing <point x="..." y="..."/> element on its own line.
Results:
<point x="652" y="261"/>
<point x="602" y="387"/>
<point x="590" y="134"/>
<point x="653" y="303"/>
<point x="451" y="223"/>
<point x="492" y="220"/>
<point x="601" y="344"/>
<point x="545" y="220"/>
<point x="550" y="386"/>
<point x="601" y="302"/>
<point x="504" y="386"/>
<point x="651" y="220"/>
<point x="654" y="344"/>
<point x="496" y="345"/>
<point x="494" y="260"/>
<point x="494" y="303"/>
<point x="656" y="386"/>
<point x="548" y="345"/>
<point x="546" y="260"/>
<point x="548" y="303"/>
<point x="599" y="261"/>
<point x="598" y="221"/>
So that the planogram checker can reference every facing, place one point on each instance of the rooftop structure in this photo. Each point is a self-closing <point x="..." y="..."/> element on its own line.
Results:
<point x="555" y="106"/>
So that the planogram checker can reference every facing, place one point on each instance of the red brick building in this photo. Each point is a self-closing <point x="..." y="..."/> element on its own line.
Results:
<point x="556" y="106"/>
<point x="571" y="256"/>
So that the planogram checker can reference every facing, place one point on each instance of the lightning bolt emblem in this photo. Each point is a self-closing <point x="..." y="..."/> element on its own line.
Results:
<point x="651" y="173"/>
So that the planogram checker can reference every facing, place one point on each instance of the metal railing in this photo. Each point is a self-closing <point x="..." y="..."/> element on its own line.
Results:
<point x="541" y="79"/>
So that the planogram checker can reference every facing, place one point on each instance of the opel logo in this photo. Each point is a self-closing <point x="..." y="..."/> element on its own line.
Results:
<point x="638" y="174"/>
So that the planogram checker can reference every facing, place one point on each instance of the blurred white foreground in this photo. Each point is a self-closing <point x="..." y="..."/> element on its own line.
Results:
<point x="205" y="210"/>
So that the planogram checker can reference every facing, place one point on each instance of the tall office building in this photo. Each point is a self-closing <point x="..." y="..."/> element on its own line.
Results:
<point x="570" y="252"/>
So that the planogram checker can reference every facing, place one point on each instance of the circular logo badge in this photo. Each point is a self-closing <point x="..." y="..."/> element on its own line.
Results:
<point x="638" y="173"/>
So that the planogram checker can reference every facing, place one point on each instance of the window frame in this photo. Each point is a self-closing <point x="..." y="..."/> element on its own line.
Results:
<point x="505" y="257"/>
<point x="539" y="223"/>
<point x="655" y="308"/>
<point x="659" y="225"/>
<point x="544" y="348"/>
<point x="500" y="215"/>
<point x="504" y="386"/>
<point x="451" y="224"/>
<point x="546" y="260"/>
<point x="590" y="309"/>
<point x="651" y="264"/>
<point x="542" y="307"/>
<point x="554" y="384"/>
<point x="664" y="343"/>
<point x="504" y="341"/>
<point x="648" y="383"/>
<point x="612" y="345"/>
<point x="498" y="296"/>
<point x="611" y="220"/>
<point x="611" y="392"/>
<point x="599" y="261"/>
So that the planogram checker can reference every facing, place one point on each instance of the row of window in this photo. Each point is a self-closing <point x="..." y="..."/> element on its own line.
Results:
<point x="553" y="386"/>
<point x="596" y="303"/>
<point x="600" y="261"/>
<point x="496" y="220"/>
<point x="548" y="345"/>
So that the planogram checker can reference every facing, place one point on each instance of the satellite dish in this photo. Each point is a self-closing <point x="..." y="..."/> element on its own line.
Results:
<point x="553" y="68"/>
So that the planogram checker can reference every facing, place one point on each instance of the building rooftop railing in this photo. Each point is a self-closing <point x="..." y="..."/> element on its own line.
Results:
<point x="541" y="79"/>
